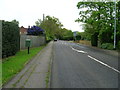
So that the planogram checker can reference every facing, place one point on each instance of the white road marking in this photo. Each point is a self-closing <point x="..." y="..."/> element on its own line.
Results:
<point x="103" y="63"/>
<point x="78" y="50"/>
<point x="96" y="60"/>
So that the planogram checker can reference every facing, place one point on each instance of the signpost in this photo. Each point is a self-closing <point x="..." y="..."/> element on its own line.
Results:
<point x="75" y="34"/>
<point x="28" y="44"/>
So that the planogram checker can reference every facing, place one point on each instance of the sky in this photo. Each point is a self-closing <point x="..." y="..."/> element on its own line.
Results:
<point x="29" y="11"/>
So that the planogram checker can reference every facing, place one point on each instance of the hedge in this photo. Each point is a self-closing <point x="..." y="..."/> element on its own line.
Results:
<point x="10" y="38"/>
<point x="108" y="46"/>
<point x="35" y="31"/>
<point x="94" y="39"/>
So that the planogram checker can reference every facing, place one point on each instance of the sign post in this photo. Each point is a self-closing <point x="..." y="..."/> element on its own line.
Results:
<point x="75" y="34"/>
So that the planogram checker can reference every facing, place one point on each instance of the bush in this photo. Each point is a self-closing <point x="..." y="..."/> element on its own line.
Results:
<point x="105" y="36"/>
<point x="118" y="45"/>
<point x="10" y="38"/>
<point x="108" y="46"/>
<point x="35" y="31"/>
<point x="94" y="39"/>
<point x="78" y="37"/>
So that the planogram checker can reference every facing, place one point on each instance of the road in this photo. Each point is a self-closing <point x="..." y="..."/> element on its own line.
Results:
<point x="78" y="66"/>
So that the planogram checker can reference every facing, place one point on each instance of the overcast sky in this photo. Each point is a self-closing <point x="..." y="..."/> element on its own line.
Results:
<point x="29" y="11"/>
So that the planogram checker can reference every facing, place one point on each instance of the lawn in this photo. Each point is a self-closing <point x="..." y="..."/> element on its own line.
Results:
<point x="14" y="64"/>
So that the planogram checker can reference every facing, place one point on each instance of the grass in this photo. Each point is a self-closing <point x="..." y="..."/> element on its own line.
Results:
<point x="47" y="78"/>
<point x="13" y="65"/>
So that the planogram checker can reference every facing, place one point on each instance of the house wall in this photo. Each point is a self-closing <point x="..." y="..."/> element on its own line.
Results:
<point x="36" y="41"/>
<point x="23" y="30"/>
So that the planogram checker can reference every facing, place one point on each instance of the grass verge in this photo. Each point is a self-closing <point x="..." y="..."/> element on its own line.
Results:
<point x="13" y="65"/>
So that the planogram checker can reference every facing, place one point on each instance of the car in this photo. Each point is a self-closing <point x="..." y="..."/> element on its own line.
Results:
<point x="55" y="39"/>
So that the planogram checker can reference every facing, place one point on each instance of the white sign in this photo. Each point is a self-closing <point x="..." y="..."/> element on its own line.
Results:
<point x="74" y="34"/>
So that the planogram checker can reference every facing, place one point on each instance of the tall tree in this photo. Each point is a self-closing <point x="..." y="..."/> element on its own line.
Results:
<point x="15" y="21"/>
<point x="53" y="28"/>
<point x="51" y="25"/>
<point x="99" y="19"/>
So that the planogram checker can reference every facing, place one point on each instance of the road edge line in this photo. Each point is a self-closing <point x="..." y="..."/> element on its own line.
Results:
<point x="103" y="63"/>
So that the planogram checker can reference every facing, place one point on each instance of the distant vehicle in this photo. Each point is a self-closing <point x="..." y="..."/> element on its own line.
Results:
<point x="55" y="39"/>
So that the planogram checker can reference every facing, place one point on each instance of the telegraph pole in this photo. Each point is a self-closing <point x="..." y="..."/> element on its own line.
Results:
<point x="43" y="17"/>
<point x="115" y="27"/>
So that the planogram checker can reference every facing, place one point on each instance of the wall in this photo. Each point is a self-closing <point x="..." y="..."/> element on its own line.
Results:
<point x="23" y="30"/>
<point x="35" y="40"/>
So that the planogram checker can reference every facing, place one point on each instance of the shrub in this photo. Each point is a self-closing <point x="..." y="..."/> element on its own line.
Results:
<point x="94" y="39"/>
<point x="105" y="36"/>
<point x="10" y="38"/>
<point x="35" y="31"/>
<point x="118" y="45"/>
<point x="78" y="37"/>
<point x="108" y="46"/>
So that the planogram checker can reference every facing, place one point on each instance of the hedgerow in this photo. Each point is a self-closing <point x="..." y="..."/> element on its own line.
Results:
<point x="10" y="38"/>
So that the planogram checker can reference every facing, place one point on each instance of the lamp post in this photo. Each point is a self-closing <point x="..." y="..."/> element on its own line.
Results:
<point x="115" y="27"/>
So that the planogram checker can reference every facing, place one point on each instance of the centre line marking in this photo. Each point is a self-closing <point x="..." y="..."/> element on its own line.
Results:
<point x="103" y="63"/>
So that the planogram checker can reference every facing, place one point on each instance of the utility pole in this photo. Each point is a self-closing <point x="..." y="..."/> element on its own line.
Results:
<point x="115" y="27"/>
<point x="43" y="17"/>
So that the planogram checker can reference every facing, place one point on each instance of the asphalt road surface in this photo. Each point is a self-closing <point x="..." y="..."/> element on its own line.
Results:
<point x="78" y="66"/>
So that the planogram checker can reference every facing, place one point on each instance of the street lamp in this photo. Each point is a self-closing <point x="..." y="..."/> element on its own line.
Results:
<point x="115" y="27"/>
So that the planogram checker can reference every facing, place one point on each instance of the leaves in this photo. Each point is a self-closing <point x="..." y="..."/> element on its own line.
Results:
<point x="35" y="31"/>
<point x="53" y="28"/>
<point x="99" y="17"/>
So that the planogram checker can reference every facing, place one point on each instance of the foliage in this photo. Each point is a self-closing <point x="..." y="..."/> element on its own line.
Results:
<point x="105" y="36"/>
<point x="66" y="34"/>
<point x="53" y="29"/>
<point x="94" y="39"/>
<point x="35" y="31"/>
<point x="12" y="65"/>
<point x="99" y="17"/>
<point x="78" y="36"/>
<point x="10" y="38"/>
<point x="51" y="25"/>
<point x="118" y="45"/>
<point x="107" y="46"/>
<point x="15" y="21"/>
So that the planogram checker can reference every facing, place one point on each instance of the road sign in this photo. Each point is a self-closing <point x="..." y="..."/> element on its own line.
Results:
<point x="74" y="34"/>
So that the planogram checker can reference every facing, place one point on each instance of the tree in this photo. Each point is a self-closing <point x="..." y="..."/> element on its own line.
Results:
<point x="15" y="21"/>
<point x="35" y="31"/>
<point x="52" y="27"/>
<point x="99" y="19"/>
<point x="67" y="34"/>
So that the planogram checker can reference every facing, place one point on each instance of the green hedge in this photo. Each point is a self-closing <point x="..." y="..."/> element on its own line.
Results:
<point x="94" y="39"/>
<point x="118" y="45"/>
<point x="10" y="38"/>
<point x="108" y="46"/>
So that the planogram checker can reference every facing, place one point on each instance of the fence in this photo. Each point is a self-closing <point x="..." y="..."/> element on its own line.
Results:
<point x="35" y="40"/>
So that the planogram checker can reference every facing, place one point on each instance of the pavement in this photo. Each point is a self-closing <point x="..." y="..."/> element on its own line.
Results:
<point x="80" y="66"/>
<point x="35" y="73"/>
